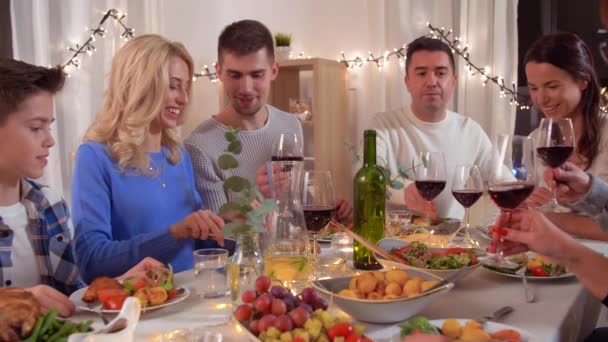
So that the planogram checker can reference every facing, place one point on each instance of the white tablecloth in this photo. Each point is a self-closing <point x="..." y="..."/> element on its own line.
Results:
<point x="563" y="311"/>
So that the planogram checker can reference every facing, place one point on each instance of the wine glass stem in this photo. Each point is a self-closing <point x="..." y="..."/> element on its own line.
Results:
<point x="314" y="257"/>
<point x="554" y="197"/>
<point x="466" y="225"/>
<point x="427" y="219"/>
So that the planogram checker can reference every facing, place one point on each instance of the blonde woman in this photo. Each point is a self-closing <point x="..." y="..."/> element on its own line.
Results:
<point x="133" y="193"/>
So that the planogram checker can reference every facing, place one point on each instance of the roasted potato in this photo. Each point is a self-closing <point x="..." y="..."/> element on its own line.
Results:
<point x="367" y="283"/>
<point x="157" y="295"/>
<point x="393" y="289"/>
<point x="427" y="284"/>
<point x="412" y="288"/>
<point x="451" y="328"/>
<point x="398" y="276"/>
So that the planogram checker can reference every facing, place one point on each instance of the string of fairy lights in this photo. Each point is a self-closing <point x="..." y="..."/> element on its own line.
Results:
<point x="458" y="46"/>
<point x="87" y="47"/>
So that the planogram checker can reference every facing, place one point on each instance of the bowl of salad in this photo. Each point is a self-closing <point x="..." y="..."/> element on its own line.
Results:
<point x="439" y="261"/>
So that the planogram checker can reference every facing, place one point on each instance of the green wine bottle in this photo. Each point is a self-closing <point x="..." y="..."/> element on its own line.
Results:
<point x="369" y="205"/>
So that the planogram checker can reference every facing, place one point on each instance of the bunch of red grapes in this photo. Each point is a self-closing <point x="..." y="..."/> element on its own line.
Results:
<point x="276" y="307"/>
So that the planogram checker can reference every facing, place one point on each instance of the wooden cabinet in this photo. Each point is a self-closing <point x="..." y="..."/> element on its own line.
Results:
<point x="327" y="133"/>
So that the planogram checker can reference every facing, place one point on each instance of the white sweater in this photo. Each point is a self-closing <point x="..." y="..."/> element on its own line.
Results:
<point x="401" y="136"/>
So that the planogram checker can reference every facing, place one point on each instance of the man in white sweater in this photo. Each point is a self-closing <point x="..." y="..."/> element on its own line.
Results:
<point x="427" y="126"/>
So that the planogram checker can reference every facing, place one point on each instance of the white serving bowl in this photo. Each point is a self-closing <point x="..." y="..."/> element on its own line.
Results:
<point x="384" y="310"/>
<point x="389" y="244"/>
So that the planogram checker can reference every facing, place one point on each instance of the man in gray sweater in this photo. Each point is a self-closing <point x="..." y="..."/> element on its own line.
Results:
<point x="246" y="66"/>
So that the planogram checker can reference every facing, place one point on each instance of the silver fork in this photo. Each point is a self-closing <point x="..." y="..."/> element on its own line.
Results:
<point x="98" y="312"/>
<point x="498" y="314"/>
<point x="529" y="294"/>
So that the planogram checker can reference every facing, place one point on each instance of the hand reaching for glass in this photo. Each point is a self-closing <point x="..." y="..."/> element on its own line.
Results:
<point x="344" y="211"/>
<point x="571" y="183"/>
<point x="415" y="201"/>
<point x="531" y="230"/>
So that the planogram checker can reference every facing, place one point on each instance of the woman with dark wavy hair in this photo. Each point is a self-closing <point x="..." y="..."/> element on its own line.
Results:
<point x="563" y="84"/>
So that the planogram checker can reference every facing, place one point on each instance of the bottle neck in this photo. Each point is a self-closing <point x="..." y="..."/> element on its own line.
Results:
<point x="369" y="151"/>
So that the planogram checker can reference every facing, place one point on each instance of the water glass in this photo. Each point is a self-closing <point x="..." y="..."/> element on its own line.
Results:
<point x="396" y="221"/>
<point x="211" y="272"/>
<point x="342" y="245"/>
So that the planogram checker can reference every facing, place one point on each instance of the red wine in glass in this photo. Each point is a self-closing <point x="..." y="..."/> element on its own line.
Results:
<point x="554" y="156"/>
<point x="467" y="197"/>
<point x="287" y="158"/>
<point x="510" y="196"/>
<point x="555" y="144"/>
<point x="317" y="217"/>
<point x="429" y="189"/>
<point x="511" y="182"/>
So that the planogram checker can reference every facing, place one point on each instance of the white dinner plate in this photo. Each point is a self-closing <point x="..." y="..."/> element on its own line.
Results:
<point x="561" y="276"/>
<point x="394" y="331"/>
<point x="76" y="298"/>
<point x="530" y="255"/>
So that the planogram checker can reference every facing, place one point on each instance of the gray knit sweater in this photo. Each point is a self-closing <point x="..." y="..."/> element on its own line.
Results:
<point x="207" y="143"/>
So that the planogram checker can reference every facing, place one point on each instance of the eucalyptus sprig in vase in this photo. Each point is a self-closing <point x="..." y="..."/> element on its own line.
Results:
<point x="246" y="221"/>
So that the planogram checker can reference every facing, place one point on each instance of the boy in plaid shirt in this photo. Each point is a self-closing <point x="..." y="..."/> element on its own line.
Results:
<point x="36" y="249"/>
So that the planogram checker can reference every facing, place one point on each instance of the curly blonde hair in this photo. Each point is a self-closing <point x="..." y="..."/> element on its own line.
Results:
<point x="138" y="83"/>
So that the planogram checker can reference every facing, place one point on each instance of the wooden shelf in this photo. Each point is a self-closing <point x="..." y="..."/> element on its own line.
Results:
<point x="330" y="124"/>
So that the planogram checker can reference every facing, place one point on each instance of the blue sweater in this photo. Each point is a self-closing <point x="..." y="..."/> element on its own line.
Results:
<point x="122" y="217"/>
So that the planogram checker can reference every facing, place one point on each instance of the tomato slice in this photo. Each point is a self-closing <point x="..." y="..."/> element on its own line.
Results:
<point x="352" y="337"/>
<point x="455" y="250"/>
<point x="339" y="329"/>
<point x="114" y="303"/>
<point x="171" y="294"/>
<point x="539" y="271"/>
<point x="104" y="294"/>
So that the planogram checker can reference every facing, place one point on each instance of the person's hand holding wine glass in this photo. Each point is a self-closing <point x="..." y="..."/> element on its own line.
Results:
<point x="554" y="146"/>
<point x="430" y="176"/>
<point x="512" y="180"/>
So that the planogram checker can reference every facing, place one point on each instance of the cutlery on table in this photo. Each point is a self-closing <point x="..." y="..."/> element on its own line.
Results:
<point x="497" y="315"/>
<point x="529" y="294"/>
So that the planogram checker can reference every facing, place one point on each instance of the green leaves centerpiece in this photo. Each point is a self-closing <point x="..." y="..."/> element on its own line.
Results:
<point x="248" y="207"/>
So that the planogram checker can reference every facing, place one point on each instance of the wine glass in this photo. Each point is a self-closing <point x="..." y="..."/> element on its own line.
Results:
<point x="467" y="188"/>
<point x="318" y="202"/>
<point x="554" y="146"/>
<point x="430" y="176"/>
<point x="512" y="180"/>
<point x="287" y="147"/>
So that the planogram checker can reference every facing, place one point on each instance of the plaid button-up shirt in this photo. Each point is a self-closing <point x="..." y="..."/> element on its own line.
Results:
<point x="49" y="230"/>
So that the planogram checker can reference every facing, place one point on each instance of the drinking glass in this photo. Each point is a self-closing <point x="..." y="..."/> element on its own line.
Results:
<point x="287" y="147"/>
<point x="430" y="176"/>
<point x="318" y="201"/>
<point x="554" y="146"/>
<point x="342" y="245"/>
<point x="287" y="257"/>
<point x="211" y="272"/>
<point x="467" y="188"/>
<point x="512" y="180"/>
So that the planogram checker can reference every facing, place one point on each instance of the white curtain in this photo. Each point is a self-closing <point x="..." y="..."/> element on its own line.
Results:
<point x="43" y="29"/>
<point x="489" y="27"/>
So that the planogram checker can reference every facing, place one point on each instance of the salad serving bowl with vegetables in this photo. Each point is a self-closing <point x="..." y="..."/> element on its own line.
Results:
<point x="438" y="261"/>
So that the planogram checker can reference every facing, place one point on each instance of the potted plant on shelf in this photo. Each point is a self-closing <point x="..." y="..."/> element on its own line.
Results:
<point x="282" y="42"/>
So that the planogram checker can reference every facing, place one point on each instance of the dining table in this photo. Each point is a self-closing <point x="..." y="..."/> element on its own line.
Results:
<point x="563" y="309"/>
